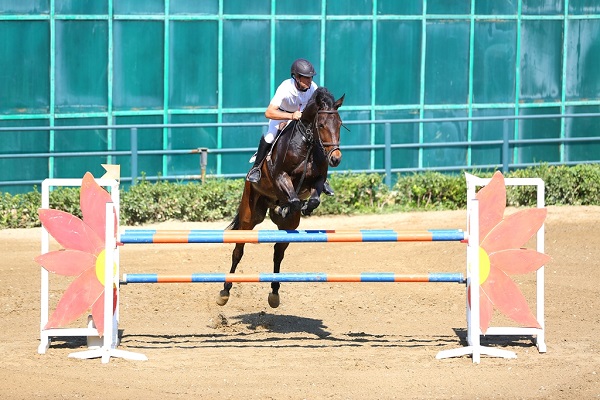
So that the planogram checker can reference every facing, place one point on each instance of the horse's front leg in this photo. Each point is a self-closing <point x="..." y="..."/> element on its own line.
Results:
<point x="287" y="196"/>
<point x="315" y="198"/>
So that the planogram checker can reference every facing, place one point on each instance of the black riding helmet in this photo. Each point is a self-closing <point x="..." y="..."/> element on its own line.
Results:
<point x="302" y="67"/>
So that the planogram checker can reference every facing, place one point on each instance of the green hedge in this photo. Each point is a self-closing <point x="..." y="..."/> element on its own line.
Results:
<point x="218" y="199"/>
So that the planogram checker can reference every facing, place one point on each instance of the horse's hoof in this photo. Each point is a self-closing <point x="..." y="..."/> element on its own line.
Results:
<point x="282" y="211"/>
<point x="223" y="297"/>
<point x="273" y="300"/>
<point x="295" y="205"/>
<point x="309" y="206"/>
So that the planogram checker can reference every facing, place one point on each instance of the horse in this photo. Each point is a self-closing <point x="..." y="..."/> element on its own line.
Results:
<point x="293" y="175"/>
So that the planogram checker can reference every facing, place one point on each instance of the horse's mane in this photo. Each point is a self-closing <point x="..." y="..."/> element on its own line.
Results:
<point x="322" y="99"/>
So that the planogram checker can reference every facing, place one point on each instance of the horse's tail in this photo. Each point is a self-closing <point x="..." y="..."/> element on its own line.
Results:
<point x="235" y="224"/>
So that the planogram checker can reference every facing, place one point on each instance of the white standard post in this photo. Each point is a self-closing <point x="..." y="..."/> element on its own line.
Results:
<point x="47" y="333"/>
<point x="474" y="347"/>
<point x="110" y="339"/>
<point x="540" y="340"/>
<point x="44" y="295"/>
<point x="537" y="333"/>
<point x="473" y="323"/>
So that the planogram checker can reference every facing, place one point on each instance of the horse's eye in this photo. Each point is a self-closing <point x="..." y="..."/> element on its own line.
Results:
<point x="321" y="125"/>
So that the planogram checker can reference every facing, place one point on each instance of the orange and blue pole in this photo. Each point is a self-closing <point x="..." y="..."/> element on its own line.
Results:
<point x="450" y="277"/>
<point x="148" y="236"/>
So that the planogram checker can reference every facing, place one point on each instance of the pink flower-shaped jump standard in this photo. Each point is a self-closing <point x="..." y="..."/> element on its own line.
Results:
<point x="83" y="255"/>
<point x="501" y="254"/>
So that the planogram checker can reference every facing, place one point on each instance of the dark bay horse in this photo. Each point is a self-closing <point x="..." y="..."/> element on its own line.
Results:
<point x="292" y="180"/>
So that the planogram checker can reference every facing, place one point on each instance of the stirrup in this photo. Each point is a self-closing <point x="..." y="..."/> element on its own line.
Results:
<point x="327" y="189"/>
<point x="253" y="175"/>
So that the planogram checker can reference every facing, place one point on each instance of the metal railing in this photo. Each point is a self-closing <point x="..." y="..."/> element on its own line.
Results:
<point x="505" y="145"/>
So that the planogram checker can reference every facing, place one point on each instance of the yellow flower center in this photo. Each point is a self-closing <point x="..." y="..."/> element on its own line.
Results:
<point x="100" y="266"/>
<point x="484" y="265"/>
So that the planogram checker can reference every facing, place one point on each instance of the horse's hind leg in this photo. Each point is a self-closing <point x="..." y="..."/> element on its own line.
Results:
<point x="277" y="258"/>
<point x="246" y="219"/>
<point x="291" y="222"/>
<point x="236" y="257"/>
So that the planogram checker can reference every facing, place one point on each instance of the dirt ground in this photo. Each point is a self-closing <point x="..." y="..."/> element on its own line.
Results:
<point x="326" y="340"/>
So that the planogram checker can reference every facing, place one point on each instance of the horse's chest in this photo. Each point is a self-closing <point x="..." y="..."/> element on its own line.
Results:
<point x="309" y="169"/>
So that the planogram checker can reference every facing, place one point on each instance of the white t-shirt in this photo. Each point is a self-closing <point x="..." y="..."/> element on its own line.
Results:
<point x="288" y="98"/>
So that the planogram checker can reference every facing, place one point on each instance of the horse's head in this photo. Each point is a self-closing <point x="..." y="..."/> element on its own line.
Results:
<point x="323" y="109"/>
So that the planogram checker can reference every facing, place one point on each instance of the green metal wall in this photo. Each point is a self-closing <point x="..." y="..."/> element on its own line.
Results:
<point x="93" y="62"/>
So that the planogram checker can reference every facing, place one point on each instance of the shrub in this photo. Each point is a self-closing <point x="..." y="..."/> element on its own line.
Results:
<point x="218" y="199"/>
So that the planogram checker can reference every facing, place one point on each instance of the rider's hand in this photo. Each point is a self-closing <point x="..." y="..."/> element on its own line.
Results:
<point x="296" y="115"/>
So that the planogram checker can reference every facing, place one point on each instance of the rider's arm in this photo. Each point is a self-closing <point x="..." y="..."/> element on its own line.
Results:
<point x="273" y="112"/>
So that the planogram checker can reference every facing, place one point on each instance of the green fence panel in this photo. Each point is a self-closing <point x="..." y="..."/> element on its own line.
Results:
<point x="29" y="168"/>
<point x="139" y="7"/>
<point x="398" y="74"/>
<point x="358" y="135"/>
<point x="496" y="7"/>
<point x="446" y="64"/>
<point x="583" y="60"/>
<point x="246" y="63"/>
<point x="71" y="141"/>
<point x="405" y="133"/>
<point x="395" y="7"/>
<point x="348" y="60"/>
<point x="191" y="138"/>
<point x="579" y="128"/>
<point x="448" y="7"/>
<point x="31" y="7"/>
<point x="448" y="131"/>
<point x="208" y="7"/>
<point x="349" y="7"/>
<point x="541" y="60"/>
<point x="295" y="39"/>
<point x="138" y="65"/>
<point x="81" y="80"/>
<point x="193" y="70"/>
<point x="247" y="7"/>
<point x="80" y="7"/>
<point x="24" y="60"/>
<point x="582" y="7"/>
<point x="542" y="7"/>
<point x="494" y="57"/>
<point x="235" y="137"/>
<point x="148" y="139"/>
<point x="490" y="130"/>
<point x="295" y="7"/>
<point x="539" y="128"/>
<point x="178" y="61"/>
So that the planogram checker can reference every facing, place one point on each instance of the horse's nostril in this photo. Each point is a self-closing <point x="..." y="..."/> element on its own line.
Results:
<point x="335" y="160"/>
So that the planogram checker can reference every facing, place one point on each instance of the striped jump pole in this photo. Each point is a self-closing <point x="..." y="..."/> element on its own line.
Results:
<point x="449" y="277"/>
<point x="147" y="236"/>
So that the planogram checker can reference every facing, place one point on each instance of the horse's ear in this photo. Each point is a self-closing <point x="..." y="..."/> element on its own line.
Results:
<point x="339" y="102"/>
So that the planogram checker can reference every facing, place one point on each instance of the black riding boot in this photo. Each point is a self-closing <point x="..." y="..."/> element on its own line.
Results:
<point x="254" y="173"/>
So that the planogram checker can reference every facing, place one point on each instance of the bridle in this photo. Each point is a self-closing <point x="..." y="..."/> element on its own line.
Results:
<point x="308" y="136"/>
<point x="334" y="145"/>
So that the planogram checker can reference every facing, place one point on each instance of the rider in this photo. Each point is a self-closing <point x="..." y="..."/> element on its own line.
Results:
<point x="287" y="104"/>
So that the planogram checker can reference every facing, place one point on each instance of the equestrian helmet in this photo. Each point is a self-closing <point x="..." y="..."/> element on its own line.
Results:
<point x="303" y="67"/>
